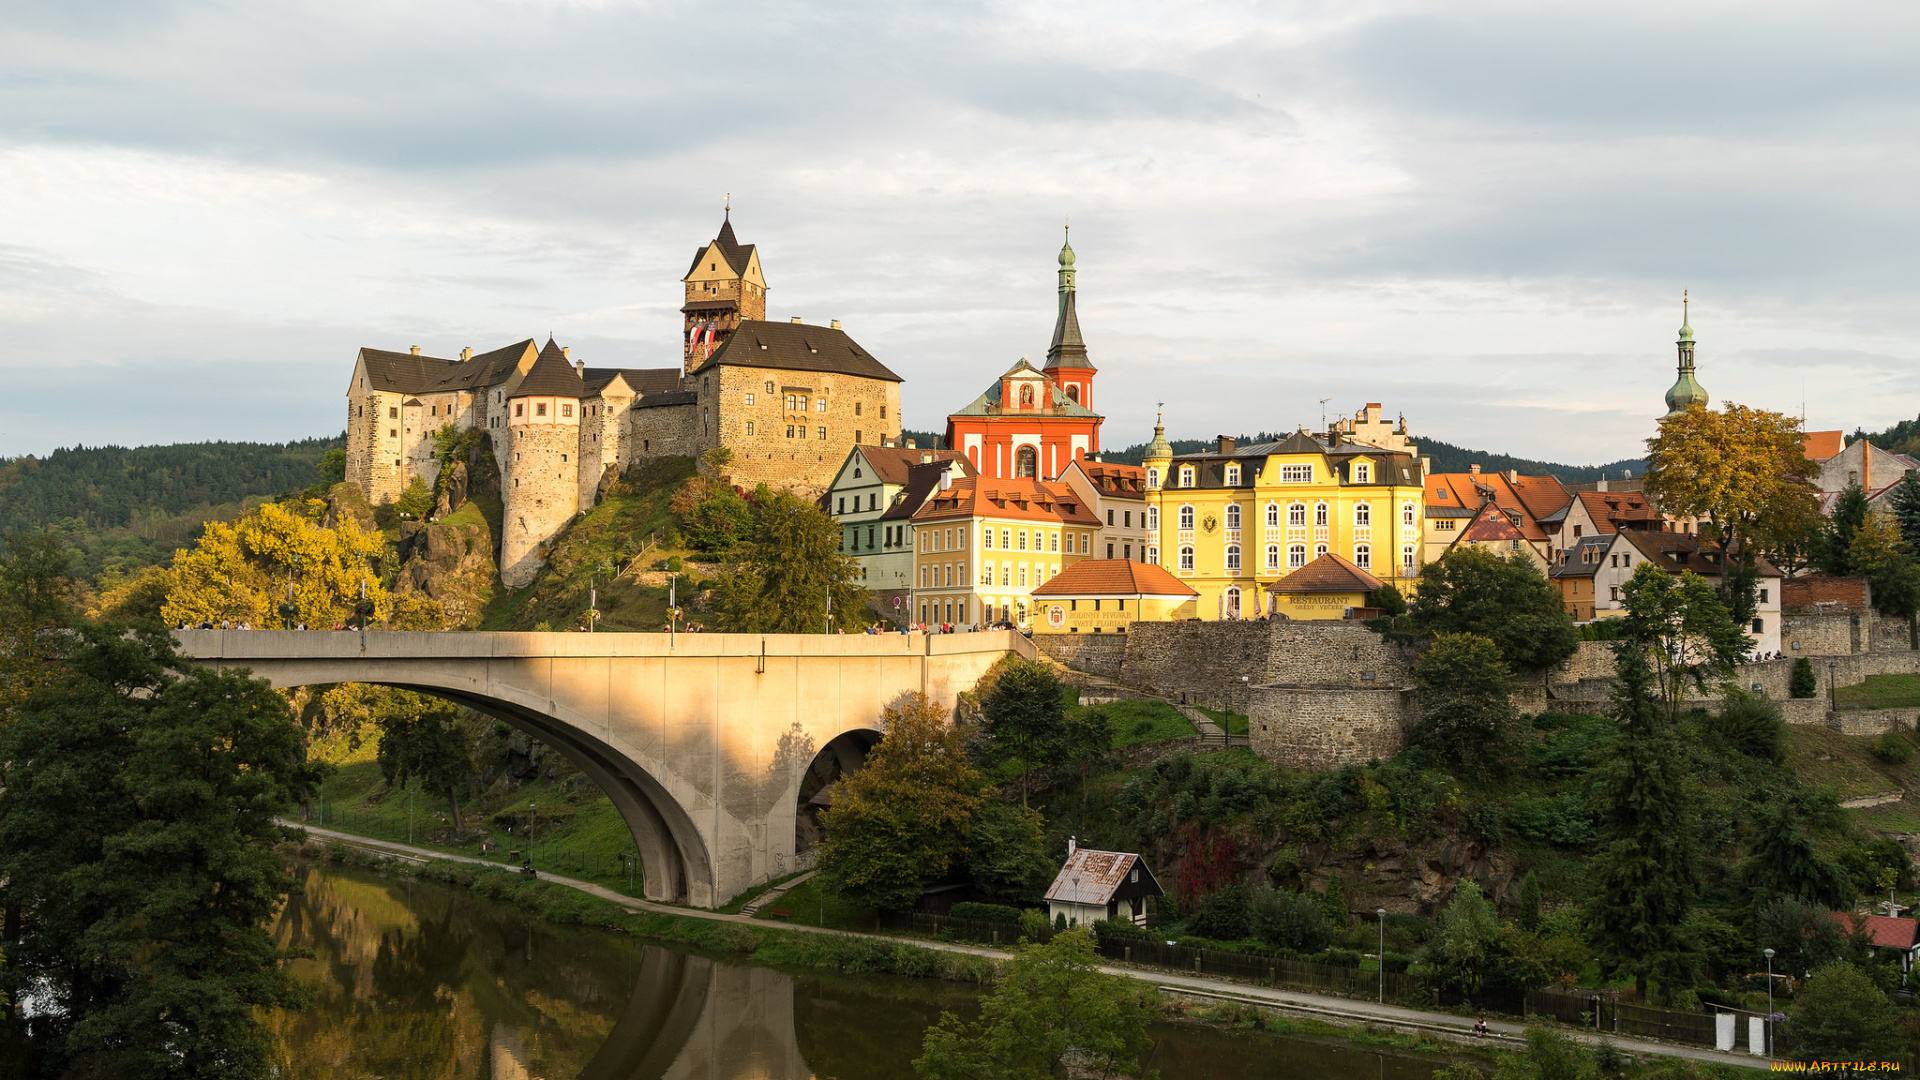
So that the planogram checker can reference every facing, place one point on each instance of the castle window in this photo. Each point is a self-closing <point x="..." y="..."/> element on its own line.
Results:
<point x="749" y="399"/>
<point x="1186" y="559"/>
<point x="789" y="431"/>
<point x="749" y="427"/>
<point x="1273" y="557"/>
<point x="563" y="459"/>
<point x="393" y="413"/>
<point x="1186" y="518"/>
<point x="1233" y="515"/>
<point x="802" y="403"/>
<point x="769" y="386"/>
<point x="801" y="429"/>
<point x="856" y="408"/>
<point x="820" y="405"/>
<point x="1296" y="556"/>
<point x="1233" y="556"/>
<point x="1363" y="556"/>
<point x="1186" y="476"/>
<point x="856" y="436"/>
<point x="393" y="433"/>
<point x="540" y="409"/>
<point x="789" y="402"/>
<point x="1296" y="474"/>
<point x="823" y="433"/>
<point x="519" y="408"/>
<point x="1233" y="476"/>
<point x="883" y="412"/>
<point x="566" y="410"/>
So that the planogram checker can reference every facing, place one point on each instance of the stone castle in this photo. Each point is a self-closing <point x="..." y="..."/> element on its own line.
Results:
<point x="789" y="399"/>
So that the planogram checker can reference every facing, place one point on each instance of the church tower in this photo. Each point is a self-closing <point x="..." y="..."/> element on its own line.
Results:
<point x="724" y="286"/>
<point x="1686" y="389"/>
<point x="1067" y="363"/>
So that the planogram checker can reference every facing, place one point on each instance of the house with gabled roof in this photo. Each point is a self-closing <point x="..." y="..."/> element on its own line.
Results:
<point x="983" y="544"/>
<point x="1329" y="587"/>
<point x="1118" y="495"/>
<point x="1095" y="885"/>
<point x="873" y="498"/>
<point x="1105" y="596"/>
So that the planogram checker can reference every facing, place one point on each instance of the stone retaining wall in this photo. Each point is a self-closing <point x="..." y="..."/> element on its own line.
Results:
<point x="1327" y="727"/>
<point x="1872" y="721"/>
<point x="1095" y="654"/>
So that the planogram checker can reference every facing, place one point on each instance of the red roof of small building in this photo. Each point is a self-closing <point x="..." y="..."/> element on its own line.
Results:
<point x="1114" y="577"/>
<point x="1328" y="573"/>
<point x="1882" y="931"/>
<point x="1612" y="509"/>
<point x="1000" y="498"/>
<point x="1821" y="445"/>
<point x="1491" y="526"/>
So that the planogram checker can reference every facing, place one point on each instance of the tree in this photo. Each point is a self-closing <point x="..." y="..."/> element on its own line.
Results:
<point x="1783" y="862"/>
<point x="1833" y="544"/>
<point x="1463" y="688"/>
<point x="1804" y="937"/>
<point x="900" y="822"/>
<point x="718" y="521"/>
<point x="792" y="572"/>
<point x="1745" y="471"/>
<point x="36" y="606"/>
<point x="1009" y="859"/>
<point x="135" y="830"/>
<point x="1296" y="921"/>
<point x="1025" y="720"/>
<point x="1467" y="939"/>
<point x="333" y="466"/>
<point x="1683" y="629"/>
<point x="1505" y="599"/>
<point x="1052" y="1004"/>
<point x="1529" y="914"/>
<point x="1904" y="503"/>
<point x="241" y="570"/>
<point x="1804" y="683"/>
<point x="1841" y="1016"/>
<point x="1878" y="553"/>
<point x="1642" y="878"/>
<point x="1549" y="1055"/>
<point x="422" y="737"/>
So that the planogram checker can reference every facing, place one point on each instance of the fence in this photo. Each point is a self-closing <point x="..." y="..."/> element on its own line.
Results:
<point x="1604" y="1012"/>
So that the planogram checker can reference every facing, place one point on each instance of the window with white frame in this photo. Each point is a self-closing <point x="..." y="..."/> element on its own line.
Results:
<point x="1233" y="556"/>
<point x="1273" y="556"/>
<point x="1233" y="476"/>
<point x="1186" y="476"/>
<point x="1297" y="515"/>
<point x="1153" y="555"/>
<point x="1362" y="473"/>
<point x="1006" y="574"/>
<point x="1186" y="559"/>
<point x="1233" y="515"/>
<point x="1363" y="516"/>
<point x="1273" y="515"/>
<point x="1406" y="560"/>
<point x="1320" y="514"/>
<point x="1186" y="518"/>
<point x="1296" y="474"/>
<point x="1407" y="517"/>
<point x="986" y="534"/>
<point x="1319" y="550"/>
<point x="1153" y="479"/>
<point x="1296" y="556"/>
<point x="1086" y="539"/>
<point x="1153" y="518"/>
<point x="986" y="573"/>
<point x="1363" y="556"/>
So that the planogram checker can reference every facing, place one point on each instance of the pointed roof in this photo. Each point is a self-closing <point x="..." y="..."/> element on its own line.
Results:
<point x="1114" y="577"/>
<point x="551" y="376"/>
<point x="795" y="347"/>
<point x="1491" y="525"/>
<point x="1159" y="449"/>
<point x="403" y="372"/>
<point x="736" y="254"/>
<point x="484" y="369"/>
<point x="1068" y="350"/>
<point x="1821" y="445"/>
<point x="1328" y="573"/>
<point x="1091" y="877"/>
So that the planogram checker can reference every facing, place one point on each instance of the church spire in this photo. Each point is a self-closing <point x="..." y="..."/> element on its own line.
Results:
<point x="1686" y="390"/>
<point x="1068" y="349"/>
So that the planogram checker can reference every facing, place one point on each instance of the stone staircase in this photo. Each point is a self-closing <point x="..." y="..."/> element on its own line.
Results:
<point x="760" y="902"/>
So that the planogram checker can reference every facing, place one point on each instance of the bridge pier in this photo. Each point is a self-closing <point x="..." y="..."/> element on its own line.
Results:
<point x="701" y="741"/>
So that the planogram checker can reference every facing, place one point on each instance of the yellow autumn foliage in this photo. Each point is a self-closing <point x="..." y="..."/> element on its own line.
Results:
<point x="1744" y="470"/>
<point x="242" y="570"/>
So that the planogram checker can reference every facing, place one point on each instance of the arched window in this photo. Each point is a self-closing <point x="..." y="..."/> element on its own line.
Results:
<point x="1233" y="556"/>
<point x="1153" y="555"/>
<point x="1186" y="559"/>
<point x="1273" y="515"/>
<point x="1407" y="517"/>
<point x="1320" y="513"/>
<point x="1319" y="550"/>
<point x="1232" y="603"/>
<point x="1273" y="556"/>
<point x="1297" y="514"/>
<point x="1406" y="560"/>
<point x="1296" y="556"/>
<point x="1153" y="519"/>
<point x="1073" y="393"/>
<point x="1363" y="516"/>
<point x="1026" y="462"/>
<point x="1026" y="395"/>
<point x="1186" y="476"/>
<point x="1233" y="515"/>
<point x="1153" y="479"/>
<point x="1186" y="517"/>
<point x="1363" y="556"/>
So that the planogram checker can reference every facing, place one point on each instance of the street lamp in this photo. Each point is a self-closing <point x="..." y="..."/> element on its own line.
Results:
<point x="1768" y="953"/>
<point x="1381" y="914"/>
<point x="1833" y="688"/>
<point x="531" y="819"/>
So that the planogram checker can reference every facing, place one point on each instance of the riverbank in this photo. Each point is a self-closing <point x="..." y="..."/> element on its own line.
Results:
<point x="577" y="902"/>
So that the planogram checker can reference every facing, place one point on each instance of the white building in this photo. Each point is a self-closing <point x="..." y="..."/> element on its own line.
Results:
<point x="1095" y="885"/>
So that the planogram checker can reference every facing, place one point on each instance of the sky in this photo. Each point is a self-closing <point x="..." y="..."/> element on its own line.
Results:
<point x="1480" y="214"/>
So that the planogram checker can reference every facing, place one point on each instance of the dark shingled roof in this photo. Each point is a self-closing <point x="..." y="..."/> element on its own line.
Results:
<point x="922" y="481"/>
<point x="671" y="397"/>
<point x="891" y="464"/>
<point x="1583" y="559"/>
<point x="795" y="347"/>
<point x="641" y="380"/>
<point x="710" y="305"/>
<point x="1067" y="349"/>
<point x="484" y="369"/>
<point x="736" y="253"/>
<point x="551" y="376"/>
<point x="402" y="372"/>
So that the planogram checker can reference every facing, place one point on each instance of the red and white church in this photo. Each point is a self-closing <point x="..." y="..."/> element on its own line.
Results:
<point x="1034" y="423"/>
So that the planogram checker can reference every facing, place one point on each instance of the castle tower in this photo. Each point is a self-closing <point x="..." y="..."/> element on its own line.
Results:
<point x="724" y="286"/>
<point x="540" y="484"/>
<point x="1067" y="363"/>
<point x="1686" y="389"/>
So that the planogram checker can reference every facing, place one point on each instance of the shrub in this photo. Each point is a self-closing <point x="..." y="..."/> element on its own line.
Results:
<point x="1121" y="930"/>
<point x="672" y="565"/>
<point x="1000" y="913"/>
<point x="1033" y="924"/>
<point x="1803" y="684"/>
<point x="1290" y="920"/>
<point x="1893" y="749"/>
<point x="1751" y="724"/>
<point x="1222" y="915"/>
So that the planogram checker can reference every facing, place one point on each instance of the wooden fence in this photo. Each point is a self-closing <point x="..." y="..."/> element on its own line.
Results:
<point x="1604" y="1012"/>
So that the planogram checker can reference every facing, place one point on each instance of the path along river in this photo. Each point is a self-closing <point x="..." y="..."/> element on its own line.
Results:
<point x="414" y="980"/>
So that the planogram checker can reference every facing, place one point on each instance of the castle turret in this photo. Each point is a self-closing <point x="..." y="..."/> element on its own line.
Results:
<point x="1687" y="390"/>
<point x="540" y="484"/>
<point x="724" y="287"/>
<point x="1158" y="455"/>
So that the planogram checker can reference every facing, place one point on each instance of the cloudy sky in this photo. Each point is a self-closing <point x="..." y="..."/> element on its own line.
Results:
<point x="1479" y="214"/>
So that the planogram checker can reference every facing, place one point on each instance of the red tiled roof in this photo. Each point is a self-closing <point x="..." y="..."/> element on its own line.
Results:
<point x="1328" y="573"/>
<point x="1113" y="479"/>
<point x="1114" y="577"/>
<point x="1533" y="497"/>
<point x="1821" y="445"/>
<point x="1023" y="499"/>
<point x="1609" y="509"/>
<point x="1490" y="525"/>
<point x="1882" y="930"/>
<point x="890" y="463"/>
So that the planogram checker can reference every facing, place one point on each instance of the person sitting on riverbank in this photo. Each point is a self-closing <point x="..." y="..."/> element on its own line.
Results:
<point x="1481" y="1029"/>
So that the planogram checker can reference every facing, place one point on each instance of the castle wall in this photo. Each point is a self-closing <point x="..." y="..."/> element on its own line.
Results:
<point x="376" y="456"/>
<point x="743" y="409"/>
<point x="601" y="422"/>
<point x="1325" y="728"/>
<point x="541" y="489"/>
<point x="660" y="431"/>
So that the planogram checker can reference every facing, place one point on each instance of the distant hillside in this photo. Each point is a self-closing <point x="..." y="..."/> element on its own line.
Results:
<point x="125" y="508"/>
<point x="1901" y="438"/>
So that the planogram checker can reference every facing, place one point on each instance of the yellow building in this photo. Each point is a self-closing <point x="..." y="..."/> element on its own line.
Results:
<point x="1101" y="596"/>
<point x="1329" y="587"/>
<point x="1236" y="518"/>
<point x="983" y="544"/>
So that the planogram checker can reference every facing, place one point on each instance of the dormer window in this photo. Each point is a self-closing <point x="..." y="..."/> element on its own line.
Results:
<point x="1362" y="473"/>
<point x="1186" y="476"/>
<point x="1233" y="476"/>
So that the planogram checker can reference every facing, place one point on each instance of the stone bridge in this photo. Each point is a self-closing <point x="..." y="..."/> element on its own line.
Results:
<point x="706" y="743"/>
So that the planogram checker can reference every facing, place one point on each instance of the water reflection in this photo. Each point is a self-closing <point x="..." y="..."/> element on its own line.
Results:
<point x="420" y="981"/>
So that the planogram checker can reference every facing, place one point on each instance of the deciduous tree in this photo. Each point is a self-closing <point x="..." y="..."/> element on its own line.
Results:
<point x="1841" y="1016"/>
<point x="1008" y="857"/>
<point x="1504" y="599"/>
<point x="1463" y="689"/>
<point x="241" y="570"/>
<point x="1025" y="719"/>
<point x="37" y="591"/>
<point x="423" y="738"/>
<point x="1682" y="628"/>
<point x="1052" y="1006"/>
<point x="792" y="572"/>
<point x="902" y="820"/>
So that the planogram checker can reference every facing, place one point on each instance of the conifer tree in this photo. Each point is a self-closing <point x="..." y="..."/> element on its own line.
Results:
<point x="1643" y="876"/>
<point x="1905" y="504"/>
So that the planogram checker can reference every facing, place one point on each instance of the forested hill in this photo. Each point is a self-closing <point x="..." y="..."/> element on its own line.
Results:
<point x="1446" y="457"/>
<point x="111" y="487"/>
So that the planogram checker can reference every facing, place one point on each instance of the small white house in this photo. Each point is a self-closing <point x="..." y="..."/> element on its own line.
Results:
<point x="1095" y="885"/>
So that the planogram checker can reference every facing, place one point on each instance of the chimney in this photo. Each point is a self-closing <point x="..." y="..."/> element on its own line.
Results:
<point x="835" y="324"/>
<point x="1073" y="845"/>
<point x="566" y="353"/>
<point x="580" y="368"/>
<point x="415" y="349"/>
<point x="1224" y="444"/>
<point x="925" y="455"/>
<point x="1473" y="470"/>
<point x="466" y="353"/>
<point x="1513" y="476"/>
<point x="946" y="480"/>
<point x="795" y="319"/>
<point x="1602" y="484"/>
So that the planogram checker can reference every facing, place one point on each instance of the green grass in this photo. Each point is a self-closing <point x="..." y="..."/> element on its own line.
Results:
<point x="804" y="900"/>
<point x="1230" y="722"/>
<point x="1881" y="692"/>
<point x="1136" y="722"/>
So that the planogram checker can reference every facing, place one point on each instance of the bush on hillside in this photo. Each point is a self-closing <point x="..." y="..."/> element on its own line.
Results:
<point x="1804" y="684"/>
<point x="1751" y="724"/>
<point x="1892" y="749"/>
<point x="999" y="913"/>
<point x="1296" y="921"/>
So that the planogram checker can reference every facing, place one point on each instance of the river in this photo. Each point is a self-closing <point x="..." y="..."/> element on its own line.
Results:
<point x="414" y="980"/>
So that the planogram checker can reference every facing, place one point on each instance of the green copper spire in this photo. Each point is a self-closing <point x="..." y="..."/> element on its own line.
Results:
<point x="1066" y="269"/>
<point x="1686" y="389"/>
<point x="1159" y="449"/>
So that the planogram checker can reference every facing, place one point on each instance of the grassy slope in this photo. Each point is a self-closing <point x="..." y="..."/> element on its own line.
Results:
<point x="1881" y="692"/>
